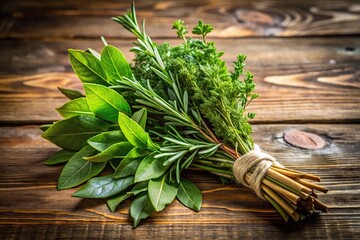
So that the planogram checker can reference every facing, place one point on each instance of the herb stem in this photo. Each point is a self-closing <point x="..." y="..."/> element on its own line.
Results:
<point x="221" y="160"/>
<point x="288" y="181"/>
<point x="210" y="132"/>
<point x="211" y="169"/>
<point x="278" y="208"/>
<point x="210" y="163"/>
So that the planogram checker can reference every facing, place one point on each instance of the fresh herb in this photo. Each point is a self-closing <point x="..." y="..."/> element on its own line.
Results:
<point x="202" y="29"/>
<point x="180" y="26"/>
<point x="176" y="107"/>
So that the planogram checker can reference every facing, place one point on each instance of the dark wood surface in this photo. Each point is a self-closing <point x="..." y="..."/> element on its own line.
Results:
<point x="305" y="56"/>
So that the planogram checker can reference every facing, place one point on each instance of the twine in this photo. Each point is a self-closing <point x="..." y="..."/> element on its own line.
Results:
<point x="257" y="162"/>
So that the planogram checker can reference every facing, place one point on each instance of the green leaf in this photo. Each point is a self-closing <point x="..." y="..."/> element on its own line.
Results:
<point x="185" y="164"/>
<point x="87" y="67"/>
<point x="186" y="101"/>
<point x="114" y="64"/>
<point x="161" y="192"/>
<point x="104" y="140"/>
<point x="117" y="150"/>
<point x="130" y="163"/>
<point x="106" y="103"/>
<point x="103" y="187"/>
<point x="150" y="168"/>
<point x="139" y="188"/>
<point x="116" y="200"/>
<point x="161" y="75"/>
<point x="175" y="157"/>
<point x="45" y="127"/>
<point x="60" y="157"/>
<point x="189" y="194"/>
<point x="71" y="93"/>
<point x="94" y="52"/>
<point x="140" y="117"/>
<point x="75" y="107"/>
<point x="127" y="167"/>
<point x="140" y="208"/>
<point x="137" y="153"/>
<point x="133" y="132"/>
<point x="78" y="170"/>
<point x="178" y="170"/>
<point x="73" y="133"/>
<point x="210" y="151"/>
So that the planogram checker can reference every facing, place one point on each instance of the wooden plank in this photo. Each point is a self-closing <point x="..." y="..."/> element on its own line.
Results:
<point x="231" y="18"/>
<point x="32" y="208"/>
<point x="182" y="231"/>
<point x="299" y="79"/>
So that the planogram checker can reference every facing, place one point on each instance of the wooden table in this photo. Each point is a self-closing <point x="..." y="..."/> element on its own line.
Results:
<point x="306" y="59"/>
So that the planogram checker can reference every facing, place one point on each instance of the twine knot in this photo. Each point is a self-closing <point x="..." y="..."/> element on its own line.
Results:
<point x="257" y="162"/>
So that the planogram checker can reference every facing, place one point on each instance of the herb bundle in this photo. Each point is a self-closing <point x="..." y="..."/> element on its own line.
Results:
<point x="174" y="108"/>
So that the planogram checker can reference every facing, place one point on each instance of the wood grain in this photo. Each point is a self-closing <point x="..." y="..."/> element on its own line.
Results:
<point x="305" y="56"/>
<point x="231" y="18"/>
<point x="29" y="195"/>
<point x="299" y="80"/>
<point x="171" y="231"/>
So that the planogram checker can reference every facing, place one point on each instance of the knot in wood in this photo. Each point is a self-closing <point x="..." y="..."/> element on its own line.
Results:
<point x="304" y="140"/>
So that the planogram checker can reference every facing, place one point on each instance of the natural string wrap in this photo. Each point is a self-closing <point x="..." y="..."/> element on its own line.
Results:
<point x="257" y="162"/>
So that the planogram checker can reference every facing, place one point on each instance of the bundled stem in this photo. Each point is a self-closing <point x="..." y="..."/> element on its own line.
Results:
<point x="282" y="187"/>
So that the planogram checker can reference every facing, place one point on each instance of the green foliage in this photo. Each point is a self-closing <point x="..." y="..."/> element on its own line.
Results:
<point x="189" y="194"/>
<point x="94" y="53"/>
<point x="202" y="29"/>
<point x="180" y="27"/>
<point x="117" y="150"/>
<point x="104" y="140"/>
<point x="78" y="170"/>
<point x="204" y="75"/>
<point x="127" y="167"/>
<point x="71" y="93"/>
<point x="106" y="103"/>
<point x="73" y="133"/>
<point x="186" y="105"/>
<point x="150" y="168"/>
<point x="130" y="163"/>
<point x="45" y="127"/>
<point x="77" y="106"/>
<point x="141" y="208"/>
<point x="247" y="85"/>
<point x="60" y="157"/>
<point x="103" y="187"/>
<point x="161" y="192"/>
<point x="143" y="71"/>
<point x="134" y="133"/>
<point x="87" y="67"/>
<point x="139" y="188"/>
<point x="219" y="95"/>
<point x="113" y="202"/>
<point x="114" y="64"/>
<point x="140" y="117"/>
